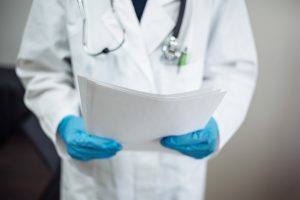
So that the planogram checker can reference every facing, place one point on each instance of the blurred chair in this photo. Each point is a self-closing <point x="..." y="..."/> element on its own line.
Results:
<point x="14" y="112"/>
<point x="12" y="108"/>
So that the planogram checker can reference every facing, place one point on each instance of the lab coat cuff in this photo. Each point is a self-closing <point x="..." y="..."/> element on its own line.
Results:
<point x="55" y="136"/>
<point x="224" y="133"/>
<point x="219" y="147"/>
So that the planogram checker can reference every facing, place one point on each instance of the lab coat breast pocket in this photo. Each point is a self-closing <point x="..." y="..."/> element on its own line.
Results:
<point x="188" y="78"/>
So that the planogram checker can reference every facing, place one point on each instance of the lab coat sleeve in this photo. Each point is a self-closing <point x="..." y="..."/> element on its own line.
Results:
<point x="231" y="64"/>
<point x="43" y="68"/>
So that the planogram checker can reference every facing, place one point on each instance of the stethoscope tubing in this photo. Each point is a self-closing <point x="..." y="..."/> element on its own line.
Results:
<point x="175" y="32"/>
<point x="85" y="30"/>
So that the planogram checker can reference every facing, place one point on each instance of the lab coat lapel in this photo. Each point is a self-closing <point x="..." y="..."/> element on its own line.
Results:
<point x="156" y="24"/>
<point x="134" y="45"/>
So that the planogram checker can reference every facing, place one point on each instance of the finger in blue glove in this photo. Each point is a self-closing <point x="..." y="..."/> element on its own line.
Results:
<point x="82" y="145"/>
<point x="198" y="144"/>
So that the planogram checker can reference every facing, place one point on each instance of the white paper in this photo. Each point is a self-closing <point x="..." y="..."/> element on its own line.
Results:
<point x="138" y="120"/>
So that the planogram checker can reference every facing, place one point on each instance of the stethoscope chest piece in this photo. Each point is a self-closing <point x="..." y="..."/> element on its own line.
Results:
<point x="171" y="50"/>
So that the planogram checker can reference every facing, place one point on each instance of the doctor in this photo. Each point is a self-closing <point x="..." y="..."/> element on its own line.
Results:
<point x="104" y="40"/>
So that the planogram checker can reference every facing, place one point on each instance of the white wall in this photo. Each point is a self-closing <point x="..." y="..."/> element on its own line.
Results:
<point x="262" y="161"/>
<point x="13" y="15"/>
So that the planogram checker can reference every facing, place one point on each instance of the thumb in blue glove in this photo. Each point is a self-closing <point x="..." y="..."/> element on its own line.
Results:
<point x="198" y="144"/>
<point x="82" y="145"/>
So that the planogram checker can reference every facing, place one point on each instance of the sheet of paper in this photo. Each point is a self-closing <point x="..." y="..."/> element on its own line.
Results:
<point x="137" y="119"/>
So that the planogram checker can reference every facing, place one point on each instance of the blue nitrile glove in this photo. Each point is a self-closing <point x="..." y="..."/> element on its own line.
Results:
<point x="198" y="144"/>
<point x="82" y="145"/>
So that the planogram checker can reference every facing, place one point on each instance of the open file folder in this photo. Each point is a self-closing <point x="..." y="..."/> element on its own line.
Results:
<point x="138" y="120"/>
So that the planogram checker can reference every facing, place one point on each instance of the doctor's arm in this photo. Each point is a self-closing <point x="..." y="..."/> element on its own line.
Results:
<point x="231" y="65"/>
<point x="50" y="92"/>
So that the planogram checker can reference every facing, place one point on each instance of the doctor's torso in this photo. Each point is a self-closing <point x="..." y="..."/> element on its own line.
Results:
<point x="138" y="64"/>
<point x="221" y="54"/>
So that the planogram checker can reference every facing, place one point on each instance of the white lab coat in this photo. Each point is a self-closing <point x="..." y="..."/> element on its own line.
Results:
<point x="221" y="53"/>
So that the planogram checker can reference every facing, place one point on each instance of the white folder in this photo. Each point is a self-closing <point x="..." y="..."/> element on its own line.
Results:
<point x="138" y="120"/>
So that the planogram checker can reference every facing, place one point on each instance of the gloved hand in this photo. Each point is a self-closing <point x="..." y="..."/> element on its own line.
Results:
<point x="198" y="144"/>
<point x="84" y="146"/>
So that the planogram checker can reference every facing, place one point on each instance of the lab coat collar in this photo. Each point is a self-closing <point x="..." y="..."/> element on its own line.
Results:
<point x="156" y="24"/>
<point x="141" y="38"/>
<point x="134" y="46"/>
<point x="164" y="2"/>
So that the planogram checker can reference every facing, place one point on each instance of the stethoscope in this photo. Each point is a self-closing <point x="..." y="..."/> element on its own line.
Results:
<point x="171" y="50"/>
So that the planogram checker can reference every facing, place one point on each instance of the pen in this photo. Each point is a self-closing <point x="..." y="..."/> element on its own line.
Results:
<point x="183" y="59"/>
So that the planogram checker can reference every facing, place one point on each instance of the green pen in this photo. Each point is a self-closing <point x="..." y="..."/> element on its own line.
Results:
<point x="183" y="59"/>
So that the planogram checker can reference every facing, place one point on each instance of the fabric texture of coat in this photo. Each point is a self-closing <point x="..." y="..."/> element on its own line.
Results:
<point x="222" y="54"/>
